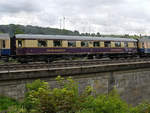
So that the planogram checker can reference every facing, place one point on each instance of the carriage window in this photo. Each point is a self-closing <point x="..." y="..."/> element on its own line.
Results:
<point x="42" y="43"/>
<point x="117" y="44"/>
<point x="135" y="44"/>
<point x="143" y="45"/>
<point x="84" y="44"/>
<point x="71" y="43"/>
<point x="96" y="44"/>
<point x="4" y="44"/>
<point x="107" y="44"/>
<point x="19" y="43"/>
<point x="57" y="43"/>
<point x="126" y="44"/>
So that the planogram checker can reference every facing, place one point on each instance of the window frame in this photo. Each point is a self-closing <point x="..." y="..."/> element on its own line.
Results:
<point x="42" y="41"/>
<point x="118" y="44"/>
<point x="73" y="44"/>
<point x="60" y="41"/>
<point x="126" y="44"/>
<point x="20" y="44"/>
<point x="143" y="45"/>
<point x="108" y="44"/>
<point x="86" y="44"/>
<point x="135" y="44"/>
<point x="3" y="43"/>
<point x="97" y="43"/>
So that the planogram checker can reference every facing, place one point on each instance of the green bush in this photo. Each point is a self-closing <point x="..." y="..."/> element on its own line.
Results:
<point x="109" y="104"/>
<point x="141" y="108"/>
<point x="40" y="98"/>
<point x="6" y="102"/>
<point x="16" y="109"/>
<point x="66" y="99"/>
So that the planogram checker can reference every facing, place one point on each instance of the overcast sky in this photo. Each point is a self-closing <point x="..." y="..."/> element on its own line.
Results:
<point x="104" y="16"/>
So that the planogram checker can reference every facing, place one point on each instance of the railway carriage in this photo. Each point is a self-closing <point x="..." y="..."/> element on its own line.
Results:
<point x="5" y="45"/>
<point x="42" y="47"/>
<point x="144" y="46"/>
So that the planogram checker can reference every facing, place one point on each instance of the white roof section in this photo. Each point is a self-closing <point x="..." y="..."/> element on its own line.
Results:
<point x="4" y="36"/>
<point x="65" y="37"/>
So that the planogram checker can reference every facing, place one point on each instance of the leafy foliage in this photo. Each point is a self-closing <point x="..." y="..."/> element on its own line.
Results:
<point x="66" y="99"/>
<point x="21" y="29"/>
<point x="109" y="104"/>
<point x="141" y="108"/>
<point x="5" y="102"/>
<point x="40" y="98"/>
<point x="29" y="29"/>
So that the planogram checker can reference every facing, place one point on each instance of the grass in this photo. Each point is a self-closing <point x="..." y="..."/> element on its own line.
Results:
<point x="6" y="102"/>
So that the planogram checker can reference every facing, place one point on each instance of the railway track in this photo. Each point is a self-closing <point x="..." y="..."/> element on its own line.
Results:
<point x="57" y="64"/>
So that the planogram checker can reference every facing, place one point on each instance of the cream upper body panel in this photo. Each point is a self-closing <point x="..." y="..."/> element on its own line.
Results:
<point x="32" y="41"/>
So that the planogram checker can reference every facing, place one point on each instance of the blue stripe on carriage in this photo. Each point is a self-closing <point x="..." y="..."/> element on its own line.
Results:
<point x="142" y="50"/>
<point x="5" y="52"/>
<point x="146" y="50"/>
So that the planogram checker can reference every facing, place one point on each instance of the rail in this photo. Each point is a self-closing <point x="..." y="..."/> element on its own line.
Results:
<point x="71" y="63"/>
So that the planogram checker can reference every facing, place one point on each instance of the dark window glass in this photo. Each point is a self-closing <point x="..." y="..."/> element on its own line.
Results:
<point x="107" y="44"/>
<point x="96" y="44"/>
<point x="143" y="45"/>
<point x="19" y="43"/>
<point x="135" y="44"/>
<point x="126" y="44"/>
<point x="84" y="44"/>
<point x="4" y="44"/>
<point x="42" y="43"/>
<point x="71" y="43"/>
<point x="57" y="43"/>
<point x="90" y="42"/>
<point x="117" y="44"/>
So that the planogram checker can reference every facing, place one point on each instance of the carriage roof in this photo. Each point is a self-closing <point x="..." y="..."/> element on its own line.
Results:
<point x="144" y="39"/>
<point x="65" y="37"/>
<point x="4" y="36"/>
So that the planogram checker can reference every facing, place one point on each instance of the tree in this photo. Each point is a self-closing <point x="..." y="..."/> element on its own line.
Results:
<point x="18" y="31"/>
<point x="93" y="34"/>
<point x="98" y="34"/>
<point x="76" y="33"/>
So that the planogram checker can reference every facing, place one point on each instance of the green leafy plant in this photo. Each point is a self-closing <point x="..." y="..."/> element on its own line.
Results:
<point x="141" y="108"/>
<point x="6" y="102"/>
<point x="66" y="98"/>
<point x="40" y="98"/>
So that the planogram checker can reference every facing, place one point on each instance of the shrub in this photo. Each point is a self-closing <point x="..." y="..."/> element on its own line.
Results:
<point x="40" y="98"/>
<point x="110" y="103"/>
<point x="6" y="102"/>
<point x="16" y="109"/>
<point x="141" y="108"/>
<point x="66" y="99"/>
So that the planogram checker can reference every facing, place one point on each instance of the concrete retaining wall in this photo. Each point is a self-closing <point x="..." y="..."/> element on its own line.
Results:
<point x="130" y="79"/>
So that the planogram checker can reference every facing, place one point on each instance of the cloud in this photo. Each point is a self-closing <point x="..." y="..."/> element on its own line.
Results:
<point x="17" y="6"/>
<point x="105" y="16"/>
